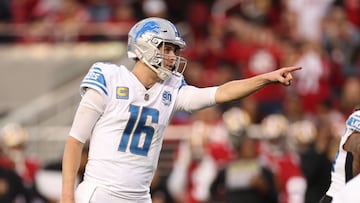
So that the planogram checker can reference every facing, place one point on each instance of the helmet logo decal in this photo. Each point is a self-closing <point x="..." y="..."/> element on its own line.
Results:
<point x="148" y="27"/>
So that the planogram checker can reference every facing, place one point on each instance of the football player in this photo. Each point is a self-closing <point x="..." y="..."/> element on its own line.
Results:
<point x="283" y="162"/>
<point x="346" y="163"/>
<point x="124" y="114"/>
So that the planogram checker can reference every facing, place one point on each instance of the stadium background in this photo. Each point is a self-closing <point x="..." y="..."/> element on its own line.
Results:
<point x="47" y="46"/>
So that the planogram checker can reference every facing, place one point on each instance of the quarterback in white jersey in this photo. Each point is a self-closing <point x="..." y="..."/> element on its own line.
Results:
<point x="130" y="131"/>
<point x="124" y="114"/>
<point x="346" y="164"/>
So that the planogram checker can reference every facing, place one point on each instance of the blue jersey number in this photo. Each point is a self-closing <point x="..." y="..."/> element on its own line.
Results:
<point x="134" y="130"/>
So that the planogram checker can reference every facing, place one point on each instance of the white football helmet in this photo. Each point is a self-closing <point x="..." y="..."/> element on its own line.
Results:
<point x="303" y="132"/>
<point x="146" y="37"/>
<point x="237" y="122"/>
<point x="274" y="126"/>
<point x="13" y="134"/>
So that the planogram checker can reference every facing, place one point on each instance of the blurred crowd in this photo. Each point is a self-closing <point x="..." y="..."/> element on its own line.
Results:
<point x="225" y="156"/>
<point x="226" y="39"/>
<point x="274" y="146"/>
<point x="23" y="177"/>
<point x="229" y="157"/>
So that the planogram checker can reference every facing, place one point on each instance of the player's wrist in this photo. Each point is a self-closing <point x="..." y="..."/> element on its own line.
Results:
<point x="67" y="197"/>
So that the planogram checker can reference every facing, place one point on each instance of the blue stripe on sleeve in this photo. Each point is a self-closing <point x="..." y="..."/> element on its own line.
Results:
<point x="96" y="78"/>
<point x="85" y="83"/>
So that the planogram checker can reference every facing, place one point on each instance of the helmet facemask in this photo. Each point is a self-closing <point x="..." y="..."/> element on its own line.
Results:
<point x="165" y="62"/>
<point x="148" y="46"/>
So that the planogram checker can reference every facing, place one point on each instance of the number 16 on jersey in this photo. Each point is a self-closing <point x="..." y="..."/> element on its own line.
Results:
<point x="136" y="127"/>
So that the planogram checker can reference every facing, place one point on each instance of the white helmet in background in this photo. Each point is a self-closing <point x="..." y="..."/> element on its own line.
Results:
<point x="303" y="132"/>
<point x="13" y="134"/>
<point x="145" y="39"/>
<point x="274" y="126"/>
<point x="236" y="120"/>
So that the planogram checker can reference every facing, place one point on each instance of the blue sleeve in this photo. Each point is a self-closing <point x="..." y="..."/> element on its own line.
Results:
<point x="95" y="79"/>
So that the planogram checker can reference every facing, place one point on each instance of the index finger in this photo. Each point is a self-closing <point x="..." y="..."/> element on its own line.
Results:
<point x="292" y="68"/>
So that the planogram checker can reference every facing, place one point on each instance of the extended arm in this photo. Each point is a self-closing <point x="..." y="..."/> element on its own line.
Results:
<point x="192" y="98"/>
<point x="238" y="89"/>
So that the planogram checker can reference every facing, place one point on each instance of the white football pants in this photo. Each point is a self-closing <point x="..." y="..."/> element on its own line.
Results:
<point x="89" y="193"/>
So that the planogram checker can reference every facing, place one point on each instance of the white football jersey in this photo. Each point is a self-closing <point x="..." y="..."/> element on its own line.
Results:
<point x="129" y="134"/>
<point x="350" y="192"/>
<point x="342" y="164"/>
